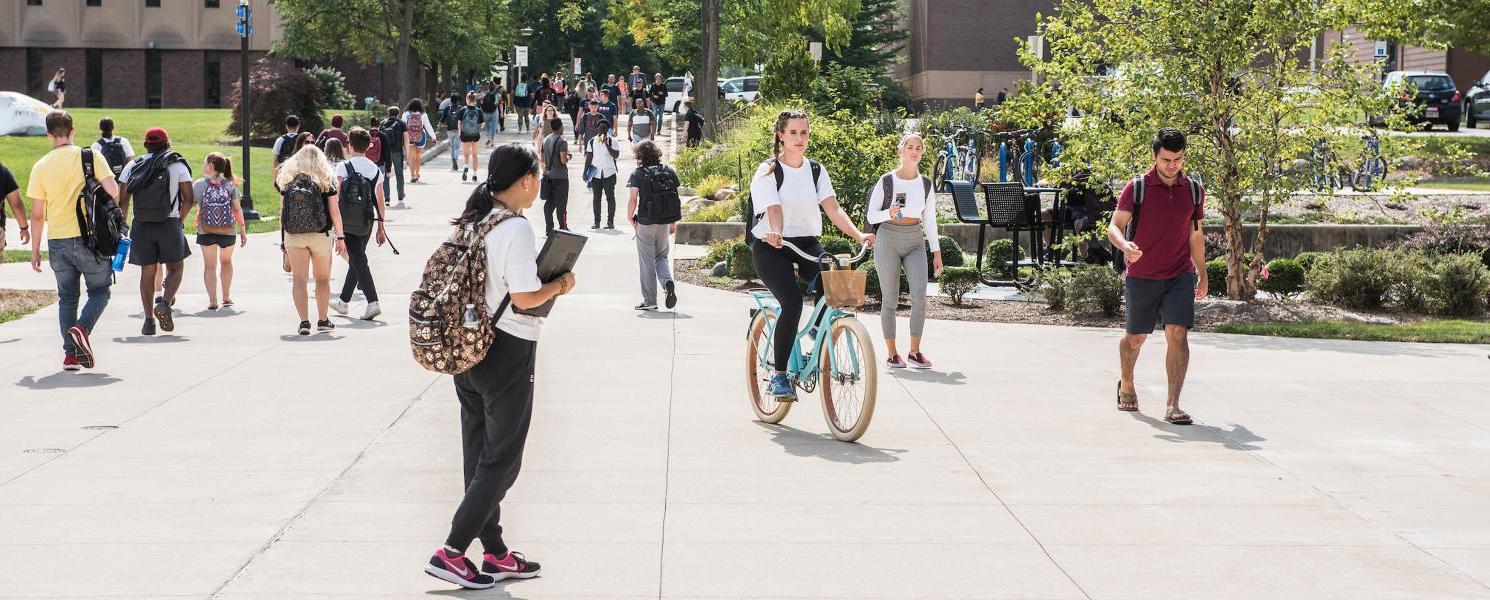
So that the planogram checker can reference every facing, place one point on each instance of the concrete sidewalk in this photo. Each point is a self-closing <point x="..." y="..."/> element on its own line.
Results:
<point x="244" y="461"/>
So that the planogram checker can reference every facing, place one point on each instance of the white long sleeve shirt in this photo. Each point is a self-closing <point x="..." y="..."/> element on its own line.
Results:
<point x="917" y="205"/>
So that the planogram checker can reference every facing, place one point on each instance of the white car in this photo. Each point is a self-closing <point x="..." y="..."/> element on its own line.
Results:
<point x="741" y="89"/>
<point x="675" y="97"/>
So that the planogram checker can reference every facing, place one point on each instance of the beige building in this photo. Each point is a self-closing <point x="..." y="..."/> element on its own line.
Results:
<point x="1465" y="67"/>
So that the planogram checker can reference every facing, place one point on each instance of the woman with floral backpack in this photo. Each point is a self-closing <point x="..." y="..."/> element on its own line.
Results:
<point x="219" y="217"/>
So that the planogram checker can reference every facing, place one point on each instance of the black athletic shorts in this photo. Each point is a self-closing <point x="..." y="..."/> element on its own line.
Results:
<point x="1146" y="300"/>
<point x="225" y="240"/>
<point x="470" y="138"/>
<point x="157" y="243"/>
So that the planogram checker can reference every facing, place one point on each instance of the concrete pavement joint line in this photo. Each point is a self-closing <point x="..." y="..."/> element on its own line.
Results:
<point x="667" y="456"/>
<point x="301" y="513"/>
<point x="140" y="414"/>
<point x="982" y="480"/>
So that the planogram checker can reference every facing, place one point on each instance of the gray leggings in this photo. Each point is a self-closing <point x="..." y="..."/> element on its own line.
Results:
<point x="896" y="246"/>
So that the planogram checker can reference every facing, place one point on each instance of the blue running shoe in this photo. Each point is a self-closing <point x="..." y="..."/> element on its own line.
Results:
<point x="781" y="387"/>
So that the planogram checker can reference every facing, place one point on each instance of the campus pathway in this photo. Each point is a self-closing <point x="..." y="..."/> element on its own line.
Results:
<point x="237" y="460"/>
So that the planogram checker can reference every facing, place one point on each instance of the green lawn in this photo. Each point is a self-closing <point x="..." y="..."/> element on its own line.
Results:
<point x="194" y="133"/>
<point x="1456" y="332"/>
<point x="1464" y="185"/>
<point x="12" y="255"/>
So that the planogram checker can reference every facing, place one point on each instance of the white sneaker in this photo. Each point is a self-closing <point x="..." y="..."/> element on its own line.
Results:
<point x="372" y="311"/>
<point x="338" y="306"/>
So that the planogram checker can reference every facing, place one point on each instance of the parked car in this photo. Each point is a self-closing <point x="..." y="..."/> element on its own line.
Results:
<point x="1437" y="99"/>
<point x="675" y="97"/>
<point x="742" y="89"/>
<point x="1477" y="102"/>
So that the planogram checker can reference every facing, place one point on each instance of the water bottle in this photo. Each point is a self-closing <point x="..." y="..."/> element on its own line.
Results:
<point x="470" y="321"/>
<point x="121" y="254"/>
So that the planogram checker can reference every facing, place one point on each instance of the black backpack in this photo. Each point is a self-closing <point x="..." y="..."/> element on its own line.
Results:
<point x="99" y="218"/>
<point x="489" y="102"/>
<point x="287" y="146"/>
<point x="657" y="201"/>
<point x="887" y="189"/>
<point x="817" y="174"/>
<point x="304" y="207"/>
<point x="113" y="152"/>
<point x="151" y="188"/>
<point x="1197" y="196"/>
<point x="355" y="199"/>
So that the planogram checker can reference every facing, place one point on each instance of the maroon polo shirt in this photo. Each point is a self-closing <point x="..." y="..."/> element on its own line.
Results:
<point x="1163" y="226"/>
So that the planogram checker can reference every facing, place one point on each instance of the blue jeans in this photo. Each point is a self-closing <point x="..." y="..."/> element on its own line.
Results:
<point x="398" y="171"/>
<point x="70" y="259"/>
<point x="491" y="124"/>
<point x="657" y="116"/>
<point x="454" y="136"/>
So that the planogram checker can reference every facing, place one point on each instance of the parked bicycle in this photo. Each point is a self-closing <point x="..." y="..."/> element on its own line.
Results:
<point x="1324" y="167"/>
<point x="957" y="163"/>
<point x="1017" y="156"/>
<point x="1372" y="168"/>
<point x="840" y="358"/>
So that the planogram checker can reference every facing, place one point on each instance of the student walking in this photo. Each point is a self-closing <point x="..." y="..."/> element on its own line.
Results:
<point x="335" y="152"/>
<point x="308" y="212"/>
<point x="489" y="103"/>
<point x="601" y="152"/>
<point x="658" y="96"/>
<point x="360" y="200"/>
<point x="523" y="102"/>
<point x="543" y="123"/>
<point x="978" y="99"/>
<point x="688" y="85"/>
<point x="554" y="153"/>
<point x="654" y="210"/>
<point x="449" y="112"/>
<point x="58" y="86"/>
<point x="333" y="133"/>
<point x="115" y="149"/>
<point x="55" y="186"/>
<point x="496" y="395"/>
<point x="10" y="193"/>
<point x="1166" y="274"/>
<point x="593" y="123"/>
<point x="469" y="119"/>
<point x="419" y="134"/>
<point x="641" y="121"/>
<point x="219" y="217"/>
<point x="785" y="197"/>
<point x="285" y="145"/>
<point x="159" y="186"/>
<point x="695" y="129"/>
<point x="902" y="214"/>
<point x="396" y="130"/>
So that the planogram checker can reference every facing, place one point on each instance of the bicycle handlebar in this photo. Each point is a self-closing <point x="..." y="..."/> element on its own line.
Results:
<point x="863" y="249"/>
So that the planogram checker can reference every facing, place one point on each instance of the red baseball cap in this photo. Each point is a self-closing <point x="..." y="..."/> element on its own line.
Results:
<point x="156" y="135"/>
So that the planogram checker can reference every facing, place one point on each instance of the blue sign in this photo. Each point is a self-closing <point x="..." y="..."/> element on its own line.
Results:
<point x="244" y="29"/>
<point x="244" y="12"/>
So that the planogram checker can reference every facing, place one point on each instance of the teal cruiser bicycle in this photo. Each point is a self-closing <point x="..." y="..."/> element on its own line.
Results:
<point x="838" y="356"/>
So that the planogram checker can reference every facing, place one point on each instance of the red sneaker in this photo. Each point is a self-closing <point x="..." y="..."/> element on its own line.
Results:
<point x="70" y="363"/>
<point x="81" y="347"/>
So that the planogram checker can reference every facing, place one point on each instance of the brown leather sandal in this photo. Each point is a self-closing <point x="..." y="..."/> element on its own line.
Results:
<point x="1174" y="416"/>
<point x="1126" y="402"/>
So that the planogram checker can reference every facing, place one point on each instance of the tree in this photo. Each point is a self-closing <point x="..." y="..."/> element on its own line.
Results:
<point x="1431" y="23"/>
<point x="789" y="73"/>
<point x="1232" y="74"/>
<point x="876" y="38"/>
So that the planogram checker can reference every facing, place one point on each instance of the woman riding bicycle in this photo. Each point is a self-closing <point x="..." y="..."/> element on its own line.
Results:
<point x="787" y="190"/>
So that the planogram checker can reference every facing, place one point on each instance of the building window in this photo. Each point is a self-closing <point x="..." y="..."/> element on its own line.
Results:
<point x="33" y="2"/>
<point x="95" y="3"/>
<point x="152" y="79"/>
<point x="152" y="3"/>
<point x="212" y="70"/>
<point x="36" y="81"/>
<point x="213" y="3"/>
<point x="93" y="76"/>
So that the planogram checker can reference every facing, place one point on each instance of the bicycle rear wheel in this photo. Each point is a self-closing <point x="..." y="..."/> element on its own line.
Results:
<point x="758" y="356"/>
<point x="849" y="380"/>
<point x="939" y="173"/>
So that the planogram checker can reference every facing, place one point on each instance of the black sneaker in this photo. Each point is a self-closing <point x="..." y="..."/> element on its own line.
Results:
<point x="305" y="328"/>
<point x="465" y="173"/>
<point x="324" y="325"/>
<point x="148" y="328"/>
<point x="645" y="306"/>
<point x="512" y="566"/>
<point x="163" y="314"/>
<point x="672" y="294"/>
<point x="457" y="569"/>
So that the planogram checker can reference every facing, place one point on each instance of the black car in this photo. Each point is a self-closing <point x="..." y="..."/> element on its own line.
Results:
<point x="1437" y="99"/>
<point x="1477" y="102"/>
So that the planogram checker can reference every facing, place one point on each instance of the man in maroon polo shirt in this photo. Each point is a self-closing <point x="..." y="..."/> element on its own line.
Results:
<point x="1166" y="272"/>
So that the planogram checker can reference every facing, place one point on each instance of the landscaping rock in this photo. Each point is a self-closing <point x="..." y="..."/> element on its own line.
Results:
<point x="720" y="269"/>
<point x="1410" y="162"/>
<point x="693" y="205"/>
<point x="724" y="194"/>
<point x="687" y="191"/>
<point x="736" y="218"/>
<point x="1215" y="307"/>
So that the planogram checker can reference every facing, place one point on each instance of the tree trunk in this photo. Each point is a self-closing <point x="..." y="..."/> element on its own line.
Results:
<point x="406" y="88"/>
<point x="706" y="85"/>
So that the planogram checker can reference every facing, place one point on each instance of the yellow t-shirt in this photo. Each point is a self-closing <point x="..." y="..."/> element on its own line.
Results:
<point x="57" y="179"/>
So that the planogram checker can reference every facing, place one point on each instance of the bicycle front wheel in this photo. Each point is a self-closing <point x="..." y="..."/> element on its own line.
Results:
<point x="848" y="380"/>
<point x="759" y="355"/>
<point x="939" y="173"/>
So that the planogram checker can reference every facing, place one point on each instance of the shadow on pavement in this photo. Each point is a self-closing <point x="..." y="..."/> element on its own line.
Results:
<point x="352" y="323"/>
<point x="497" y="592"/>
<point x="10" y="341"/>
<point x="216" y="314"/>
<point x="1276" y="344"/>
<point x="662" y="315"/>
<point x="292" y="337"/>
<point x="821" y="445"/>
<point x="67" y="380"/>
<point x="152" y="339"/>
<point x="1239" y="437"/>
<point x="953" y="378"/>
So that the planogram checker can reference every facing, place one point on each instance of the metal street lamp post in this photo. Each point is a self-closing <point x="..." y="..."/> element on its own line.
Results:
<point x="245" y="114"/>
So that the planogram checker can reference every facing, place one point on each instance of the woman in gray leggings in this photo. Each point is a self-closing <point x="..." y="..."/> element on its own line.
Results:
<point x="903" y="208"/>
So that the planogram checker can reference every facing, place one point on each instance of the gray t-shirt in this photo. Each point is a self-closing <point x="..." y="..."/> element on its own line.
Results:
<point x="553" y="146"/>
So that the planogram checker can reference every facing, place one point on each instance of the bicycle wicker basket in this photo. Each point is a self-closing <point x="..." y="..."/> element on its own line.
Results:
<point x="844" y="288"/>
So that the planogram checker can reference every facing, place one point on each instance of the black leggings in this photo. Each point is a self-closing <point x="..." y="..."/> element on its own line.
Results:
<point x="496" y="406"/>
<point x="358" y="273"/>
<point x="608" y="186"/>
<point x="774" y="268"/>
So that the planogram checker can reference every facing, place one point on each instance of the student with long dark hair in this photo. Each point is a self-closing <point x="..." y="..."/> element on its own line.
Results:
<point x="419" y="134"/>
<point x="785" y="196"/>
<point x="496" y="395"/>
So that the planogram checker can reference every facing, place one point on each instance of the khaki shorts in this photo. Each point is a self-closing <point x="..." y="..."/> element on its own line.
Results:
<point x="319" y="244"/>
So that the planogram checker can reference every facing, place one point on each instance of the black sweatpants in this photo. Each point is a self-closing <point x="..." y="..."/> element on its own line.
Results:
<point x="358" y="273"/>
<point x="555" y="194"/>
<point x="774" y="268"/>
<point x="606" y="185"/>
<point x="496" y="406"/>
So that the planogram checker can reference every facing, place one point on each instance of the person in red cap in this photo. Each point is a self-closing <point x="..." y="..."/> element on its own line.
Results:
<point x="334" y="133"/>
<point x="158" y="185"/>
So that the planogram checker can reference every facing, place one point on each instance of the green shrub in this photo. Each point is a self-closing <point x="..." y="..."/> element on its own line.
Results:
<point x="1459" y="285"/>
<point x="1409" y="271"/>
<point x="1356" y="278"/>
<point x="1307" y="259"/>
<point x="1215" y="273"/>
<point x="958" y="281"/>
<point x="951" y="252"/>
<point x="1000" y="257"/>
<point x="741" y="263"/>
<point x="872" y="280"/>
<point x="711" y="184"/>
<point x="718" y="212"/>
<point x="837" y="244"/>
<point x="1095" y="288"/>
<point x="334" y="88"/>
<point x="277" y="92"/>
<point x="1285" y="278"/>
<point x="719" y="251"/>
<point x="1453" y="238"/>
<point x="1054" y="285"/>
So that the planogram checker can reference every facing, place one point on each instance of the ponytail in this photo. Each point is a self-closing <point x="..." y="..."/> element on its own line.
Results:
<point x="223" y="165"/>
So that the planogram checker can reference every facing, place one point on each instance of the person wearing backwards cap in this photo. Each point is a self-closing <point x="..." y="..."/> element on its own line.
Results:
<point x="159" y="186"/>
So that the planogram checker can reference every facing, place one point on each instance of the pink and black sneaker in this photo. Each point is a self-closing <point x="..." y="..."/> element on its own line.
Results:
<point x="918" y="360"/>
<point x="512" y="566"/>
<point x="457" y="569"/>
<point x="894" y="362"/>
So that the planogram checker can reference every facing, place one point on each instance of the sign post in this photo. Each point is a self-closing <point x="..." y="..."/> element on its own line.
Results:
<point x="245" y="28"/>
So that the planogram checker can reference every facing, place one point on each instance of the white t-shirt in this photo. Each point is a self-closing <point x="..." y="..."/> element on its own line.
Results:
<point x="801" y="215"/>
<point x="280" y="141"/>
<point x="364" y="166"/>
<point x="917" y="205"/>
<point x="512" y="266"/>
<point x="605" y="164"/>
<point x="128" y="149"/>
<point x="180" y="174"/>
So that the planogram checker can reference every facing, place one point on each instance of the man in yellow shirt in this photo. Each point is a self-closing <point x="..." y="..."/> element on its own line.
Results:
<point x="56" y="182"/>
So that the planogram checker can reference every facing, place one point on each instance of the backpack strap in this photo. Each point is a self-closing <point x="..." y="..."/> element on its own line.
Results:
<point x="926" y="182"/>
<point x="1137" y="203"/>
<point x="87" y="178"/>
<point x="1197" y="196"/>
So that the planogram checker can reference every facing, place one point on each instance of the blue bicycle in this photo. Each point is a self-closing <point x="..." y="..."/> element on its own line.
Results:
<point x="957" y="163"/>
<point x="840" y="358"/>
